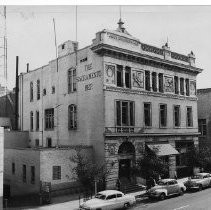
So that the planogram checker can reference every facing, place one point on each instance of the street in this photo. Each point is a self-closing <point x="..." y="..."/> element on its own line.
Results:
<point x="189" y="201"/>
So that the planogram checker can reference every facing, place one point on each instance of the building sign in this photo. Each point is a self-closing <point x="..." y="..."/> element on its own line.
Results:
<point x="138" y="79"/>
<point x="88" y="76"/>
<point x="110" y="73"/>
<point x="193" y="88"/>
<point x="169" y="84"/>
<point x="123" y="39"/>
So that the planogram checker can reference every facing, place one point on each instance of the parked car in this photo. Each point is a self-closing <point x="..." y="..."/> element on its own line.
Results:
<point x="166" y="187"/>
<point x="108" y="200"/>
<point x="199" y="181"/>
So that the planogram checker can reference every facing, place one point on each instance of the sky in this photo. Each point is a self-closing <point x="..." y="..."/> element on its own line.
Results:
<point x="30" y="32"/>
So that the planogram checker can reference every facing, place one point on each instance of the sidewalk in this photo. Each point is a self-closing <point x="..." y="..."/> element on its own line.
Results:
<point x="71" y="202"/>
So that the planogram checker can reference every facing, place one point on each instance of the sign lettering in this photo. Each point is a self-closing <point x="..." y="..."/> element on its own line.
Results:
<point x="88" y="76"/>
<point x="88" y="87"/>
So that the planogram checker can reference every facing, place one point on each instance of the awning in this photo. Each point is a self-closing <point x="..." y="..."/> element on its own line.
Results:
<point x="163" y="149"/>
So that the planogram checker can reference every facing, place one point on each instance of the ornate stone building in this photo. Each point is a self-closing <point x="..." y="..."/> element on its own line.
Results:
<point x="119" y="95"/>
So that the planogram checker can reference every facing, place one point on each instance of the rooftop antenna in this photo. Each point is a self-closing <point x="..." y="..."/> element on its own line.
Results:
<point x="57" y="89"/>
<point x="120" y="11"/>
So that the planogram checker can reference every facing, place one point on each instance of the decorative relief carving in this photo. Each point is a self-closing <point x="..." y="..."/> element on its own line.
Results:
<point x="110" y="73"/>
<point x="111" y="148"/>
<point x="138" y="79"/>
<point x="140" y="148"/>
<point x="193" y="88"/>
<point x="169" y="84"/>
<point x="179" y="57"/>
<point x="151" y="49"/>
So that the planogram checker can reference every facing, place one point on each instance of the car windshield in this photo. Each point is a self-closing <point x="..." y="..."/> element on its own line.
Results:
<point x="197" y="176"/>
<point x="162" y="183"/>
<point x="100" y="196"/>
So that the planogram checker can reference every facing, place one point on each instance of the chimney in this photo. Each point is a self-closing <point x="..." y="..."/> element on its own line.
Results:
<point x="16" y="95"/>
<point x="27" y="68"/>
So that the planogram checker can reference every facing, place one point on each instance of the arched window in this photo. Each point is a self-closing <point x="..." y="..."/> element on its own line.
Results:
<point x="31" y="91"/>
<point x="38" y="89"/>
<point x="72" y="117"/>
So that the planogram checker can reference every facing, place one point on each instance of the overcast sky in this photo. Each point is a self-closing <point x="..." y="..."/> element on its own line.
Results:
<point x="30" y="31"/>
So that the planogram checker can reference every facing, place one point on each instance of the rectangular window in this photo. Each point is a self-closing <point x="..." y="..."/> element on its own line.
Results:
<point x="187" y="87"/>
<point x="189" y="117"/>
<point x="125" y="113"/>
<point x="49" y="118"/>
<point x="177" y="116"/>
<point x="31" y="91"/>
<point x="176" y="85"/>
<point x="72" y="117"/>
<point x="24" y="173"/>
<point x="53" y="90"/>
<point x="160" y="78"/>
<point x="37" y="120"/>
<point x="163" y="115"/>
<point x="202" y="127"/>
<point x="147" y="114"/>
<point x="56" y="172"/>
<point x="127" y="77"/>
<point x="71" y="80"/>
<point x="49" y="142"/>
<point x="37" y="143"/>
<point x="119" y="76"/>
<point x="13" y="168"/>
<point x="147" y="80"/>
<point x="38" y="89"/>
<point x="31" y="121"/>
<point x="182" y="86"/>
<point x="154" y="81"/>
<point x="32" y="174"/>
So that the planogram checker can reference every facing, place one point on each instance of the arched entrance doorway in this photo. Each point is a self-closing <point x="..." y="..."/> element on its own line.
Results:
<point x="126" y="156"/>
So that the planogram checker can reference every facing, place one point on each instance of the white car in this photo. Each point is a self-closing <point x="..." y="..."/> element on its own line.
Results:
<point x="199" y="181"/>
<point x="166" y="187"/>
<point x="108" y="200"/>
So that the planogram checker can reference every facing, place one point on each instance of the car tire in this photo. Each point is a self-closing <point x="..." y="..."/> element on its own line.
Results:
<point x="181" y="191"/>
<point x="200" y="187"/>
<point x="162" y="196"/>
<point x="126" y="205"/>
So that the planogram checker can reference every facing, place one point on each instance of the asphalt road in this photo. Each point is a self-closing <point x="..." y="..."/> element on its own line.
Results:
<point x="189" y="201"/>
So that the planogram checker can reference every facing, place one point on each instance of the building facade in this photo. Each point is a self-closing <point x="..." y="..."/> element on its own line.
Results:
<point x="204" y="116"/>
<point x="118" y="95"/>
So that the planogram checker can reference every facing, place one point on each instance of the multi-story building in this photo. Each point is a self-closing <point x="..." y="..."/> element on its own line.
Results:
<point x="118" y="95"/>
<point x="204" y="116"/>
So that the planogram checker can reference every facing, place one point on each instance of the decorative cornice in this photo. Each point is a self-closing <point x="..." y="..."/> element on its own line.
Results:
<point x="143" y="58"/>
<point x="143" y="92"/>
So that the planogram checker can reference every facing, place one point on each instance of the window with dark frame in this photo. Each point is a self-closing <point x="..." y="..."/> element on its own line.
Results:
<point x="154" y="81"/>
<point x="119" y="76"/>
<point x="32" y="174"/>
<point x="71" y="80"/>
<point x="37" y="143"/>
<point x="127" y="77"/>
<point x="202" y="127"/>
<point x="163" y="115"/>
<point x="13" y="168"/>
<point x="160" y="78"/>
<point x="56" y="172"/>
<point x="37" y="120"/>
<point x="189" y="117"/>
<point x="72" y="117"/>
<point x="44" y="92"/>
<point x="147" y="114"/>
<point x="176" y="85"/>
<point x="24" y="173"/>
<point x="31" y="91"/>
<point x="147" y="80"/>
<point x="49" y="118"/>
<point x="182" y="86"/>
<point x="53" y="90"/>
<point x="38" y="89"/>
<point x="49" y="142"/>
<point x="125" y="113"/>
<point x="187" y="87"/>
<point x="31" y="121"/>
<point x="177" y="116"/>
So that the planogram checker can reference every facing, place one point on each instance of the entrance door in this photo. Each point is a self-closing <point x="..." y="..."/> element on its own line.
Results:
<point x="124" y="168"/>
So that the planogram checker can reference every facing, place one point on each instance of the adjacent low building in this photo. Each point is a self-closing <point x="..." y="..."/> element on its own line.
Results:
<point x="119" y="96"/>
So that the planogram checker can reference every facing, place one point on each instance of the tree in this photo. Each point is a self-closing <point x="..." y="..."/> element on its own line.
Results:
<point x="150" y="165"/>
<point x="199" y="158"/>
<point x="87" y="172"/>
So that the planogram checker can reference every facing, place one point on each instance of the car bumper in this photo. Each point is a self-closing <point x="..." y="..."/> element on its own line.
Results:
<point x="153" y="195"/>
